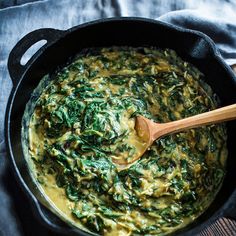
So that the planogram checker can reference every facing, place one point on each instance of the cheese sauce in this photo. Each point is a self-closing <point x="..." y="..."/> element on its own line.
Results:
<point x="83" y="122"/>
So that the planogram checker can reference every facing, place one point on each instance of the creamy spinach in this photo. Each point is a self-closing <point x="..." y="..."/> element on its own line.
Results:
<point x="83" y="124"/>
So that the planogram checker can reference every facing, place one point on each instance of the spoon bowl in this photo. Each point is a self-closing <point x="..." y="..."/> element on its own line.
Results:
<point x="149" y="131"/>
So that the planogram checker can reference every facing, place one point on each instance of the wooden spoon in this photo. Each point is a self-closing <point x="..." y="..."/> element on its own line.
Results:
<point x="149" y="131"/>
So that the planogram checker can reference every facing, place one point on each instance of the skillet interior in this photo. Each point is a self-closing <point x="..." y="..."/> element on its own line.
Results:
<point x="192" y="47"/>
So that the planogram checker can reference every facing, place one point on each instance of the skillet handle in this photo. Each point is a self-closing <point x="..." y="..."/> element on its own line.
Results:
<point x="15" y="68"/>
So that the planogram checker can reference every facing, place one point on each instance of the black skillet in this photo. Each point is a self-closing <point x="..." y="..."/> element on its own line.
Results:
<point x="192" y="46"/>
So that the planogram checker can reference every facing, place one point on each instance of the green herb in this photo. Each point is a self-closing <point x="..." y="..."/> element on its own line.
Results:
<point x="85" y="117"/>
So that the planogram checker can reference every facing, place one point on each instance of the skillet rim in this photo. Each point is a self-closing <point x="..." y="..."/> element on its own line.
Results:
<point x="213" y="50"/>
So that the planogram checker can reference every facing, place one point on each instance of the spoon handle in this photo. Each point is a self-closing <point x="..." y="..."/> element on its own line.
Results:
<point x="207" y="118"/>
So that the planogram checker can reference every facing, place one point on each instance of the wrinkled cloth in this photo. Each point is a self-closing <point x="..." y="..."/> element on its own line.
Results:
<point x="215" y="18"/>
<point x="223" y="32"/>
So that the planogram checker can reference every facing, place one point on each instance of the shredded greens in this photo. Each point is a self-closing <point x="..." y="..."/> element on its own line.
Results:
<point x="86" y="116"/>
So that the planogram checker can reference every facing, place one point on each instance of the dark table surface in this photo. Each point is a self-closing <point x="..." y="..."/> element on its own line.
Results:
<point x="25" y="221"/>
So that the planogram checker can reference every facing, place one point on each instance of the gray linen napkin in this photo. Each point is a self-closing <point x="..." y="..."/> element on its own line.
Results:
<point x="219" y="28"/>
<point x="217" y="19"/>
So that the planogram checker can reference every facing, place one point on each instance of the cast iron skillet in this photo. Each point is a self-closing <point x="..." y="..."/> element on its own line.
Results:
<point x="192" y="46"/>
